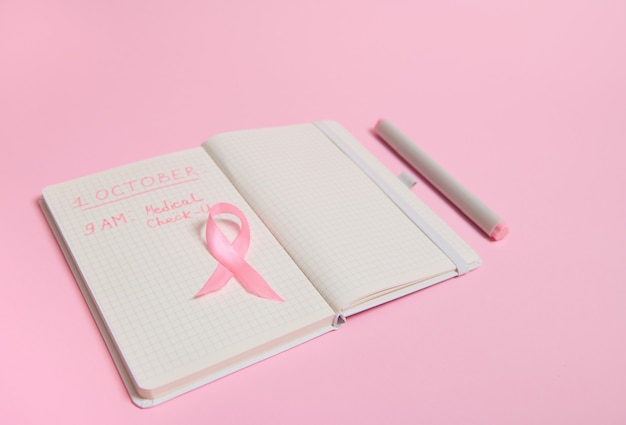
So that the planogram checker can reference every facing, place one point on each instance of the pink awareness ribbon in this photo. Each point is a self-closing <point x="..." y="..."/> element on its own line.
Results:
<point x="231" y="257"/>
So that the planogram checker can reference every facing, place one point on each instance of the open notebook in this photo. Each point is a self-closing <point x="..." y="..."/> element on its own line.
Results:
<point x="331" y="231"/>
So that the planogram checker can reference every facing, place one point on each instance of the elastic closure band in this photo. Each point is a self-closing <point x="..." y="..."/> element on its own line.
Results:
<point x="429" y="231"/>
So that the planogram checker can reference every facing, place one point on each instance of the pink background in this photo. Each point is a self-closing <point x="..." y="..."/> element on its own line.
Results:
<point x="524" y="101"/>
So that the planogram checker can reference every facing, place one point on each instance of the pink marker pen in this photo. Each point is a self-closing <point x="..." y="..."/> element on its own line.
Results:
<point x="488" y="221"/>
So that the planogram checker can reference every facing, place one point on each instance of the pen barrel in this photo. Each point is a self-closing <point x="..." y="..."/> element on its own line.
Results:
<point x="463" y="199"/>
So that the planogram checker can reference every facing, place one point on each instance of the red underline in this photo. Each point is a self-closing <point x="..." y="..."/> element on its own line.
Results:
<point x="139" y="193"/>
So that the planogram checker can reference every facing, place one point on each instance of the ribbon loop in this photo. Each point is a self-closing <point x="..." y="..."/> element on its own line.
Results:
<point x="231" y="256"/>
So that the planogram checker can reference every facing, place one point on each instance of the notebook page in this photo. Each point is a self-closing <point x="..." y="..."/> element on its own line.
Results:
<point x="137" y="236"/>
<point x="340" y="228"/>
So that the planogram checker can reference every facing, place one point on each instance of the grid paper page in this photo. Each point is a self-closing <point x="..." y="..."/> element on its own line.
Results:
<point x="137" y="236"/>
<point x="342" y="230"/>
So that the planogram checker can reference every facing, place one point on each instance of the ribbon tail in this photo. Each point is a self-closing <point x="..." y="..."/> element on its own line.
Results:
<point x="261" y="289"/>
<point x="217" y="281"/>
<point x="254" y="283"/>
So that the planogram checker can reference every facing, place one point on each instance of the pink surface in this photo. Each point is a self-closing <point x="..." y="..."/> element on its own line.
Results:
<point x="536" y="335"/>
